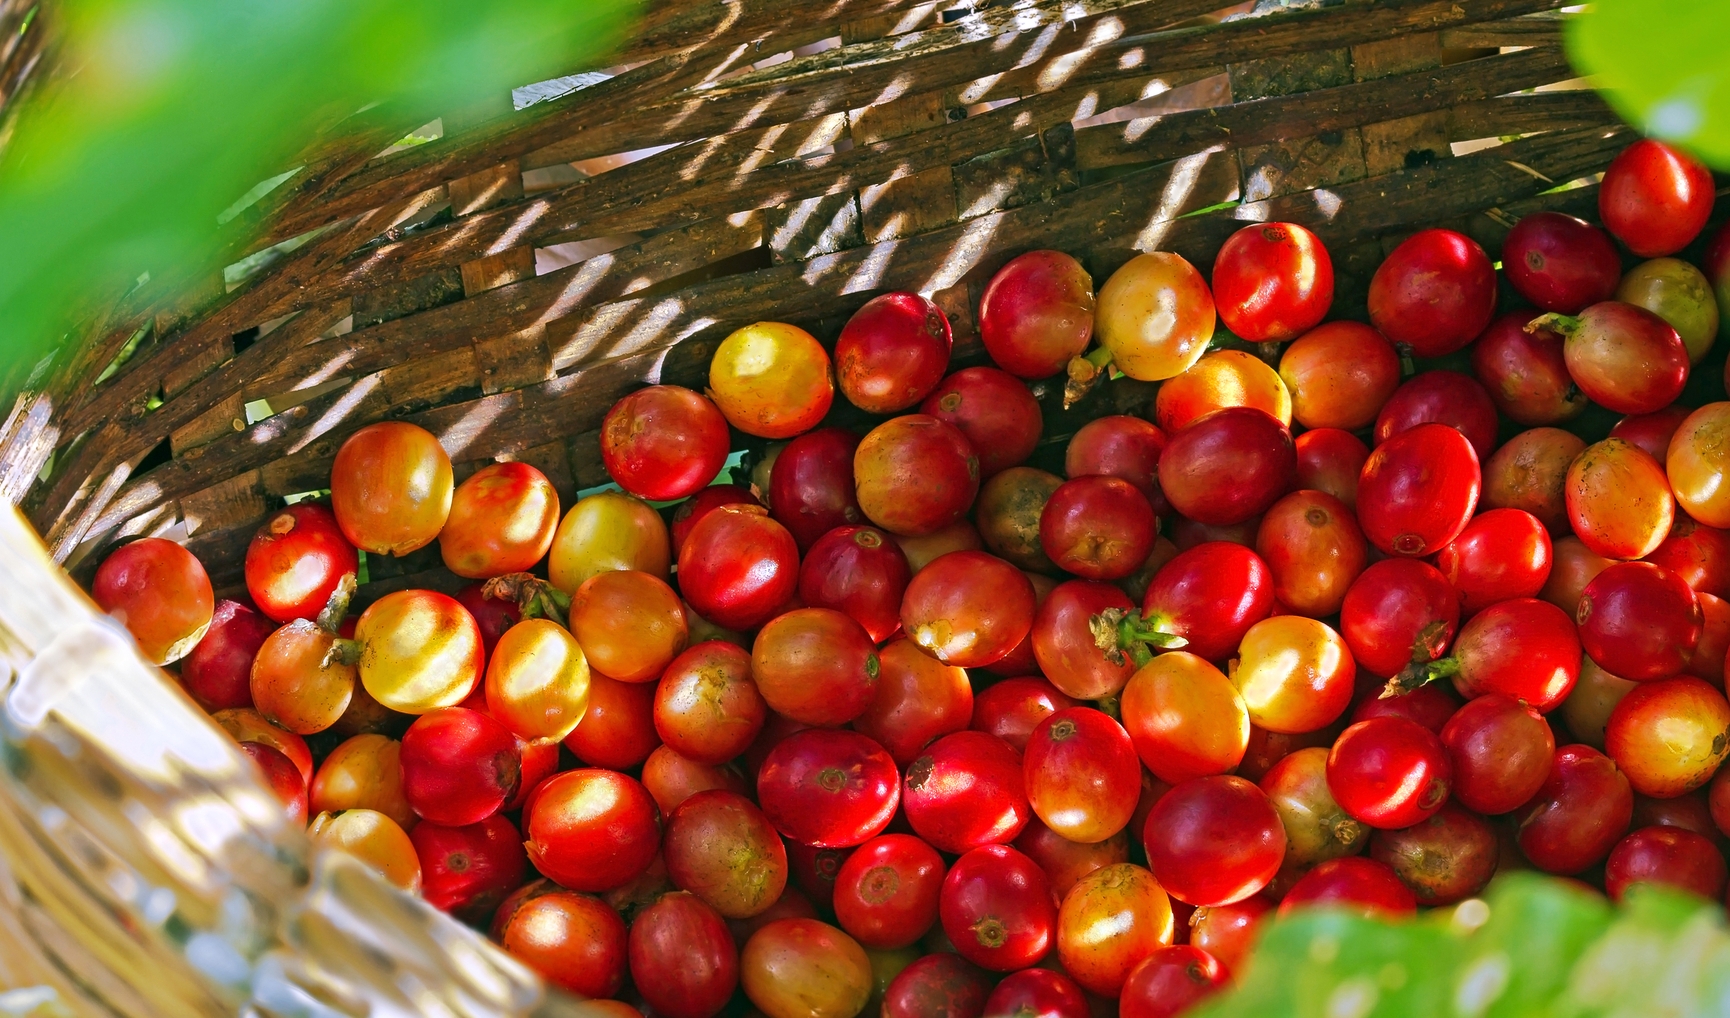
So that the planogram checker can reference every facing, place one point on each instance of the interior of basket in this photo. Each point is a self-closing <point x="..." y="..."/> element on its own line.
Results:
<point x="501" y="275"/>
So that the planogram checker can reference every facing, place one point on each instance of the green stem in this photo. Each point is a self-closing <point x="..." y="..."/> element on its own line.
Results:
<point x="341" y="652"/>
<point x="1084" y="373"/>
<point x="1122" y="632"/>
<point x="336" y="609"/>
<point x="1562" y="325"/>
<point x="1419" y="673"/>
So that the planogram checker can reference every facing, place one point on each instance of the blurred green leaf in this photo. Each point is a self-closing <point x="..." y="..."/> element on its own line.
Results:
<point x="1534" y="947"/>
<point x="162" y="115"/>
<point x="1661" y="65"/>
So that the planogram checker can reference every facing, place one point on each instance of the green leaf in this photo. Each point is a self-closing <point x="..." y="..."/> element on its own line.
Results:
<point x="1534" y="947"/>
<point x="166" y="116"/>
<point x="1661" y="65"/>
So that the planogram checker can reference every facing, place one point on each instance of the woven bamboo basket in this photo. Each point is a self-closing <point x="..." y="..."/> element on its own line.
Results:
<point x="746" y="160"/>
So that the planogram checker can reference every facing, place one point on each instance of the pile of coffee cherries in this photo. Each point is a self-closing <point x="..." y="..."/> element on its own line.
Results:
<point x="894" y="722"/>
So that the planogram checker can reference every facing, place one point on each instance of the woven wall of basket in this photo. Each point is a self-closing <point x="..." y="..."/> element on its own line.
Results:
<point x="747" y="160"/>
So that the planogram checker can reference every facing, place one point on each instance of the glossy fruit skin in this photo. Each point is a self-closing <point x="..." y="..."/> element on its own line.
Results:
<point x="1655" y="198"/>
<point x="243" y="724"/>
<point x="967" y="790"/>
<point x="1228" y="931"/>
<point x="1339" y="375"/>
<point x="915" y="475"/>
<point x="537" y="683"/>
<point x="218" y="669"/>
<point x="1272" y="282"/>
<point x="390" y="488"/>
<point x="1447" y="858"/>
<point x="1619" y="500"/>
<point x="1066" y="862"/>
<point x="420" y="650"/>
<point x="618" y="728"/>
<point x="1441" y="397"/>
<point x="459" y="766"/>
<point x="1639" y="621"/>
<point x="1389" y="772"/>
<point x="771" y="380"/>
<point x="574" y="941"/>
<point x="860" y="571"/>
<point x="919" y="699"/>
<point x="298" y="682"/>
<point x="1699" y="554"/>
<point x="1578" y="815"/>
<point x="1081" y="774"/>
<point x="1523" y="648"/>
<point x="1036" y="313"/>
<point x="1211" y="595"/>
<point x="996" y="909"/>
<point x="282" y="777"/>
<point x="1295" y="673"/>
<point x="664" y="442"/>
<point x="892" y="352"/>
<point x="1224" y="378"/>
<point x="1530" y="472"/>
<point x="493" y="615"/>
<point x="607" y="530"/>
<point x="160" y="592"/>
<point x="592" y="829"/>
<point x="1099" y="528"/>
<point x="374" y="839"/>
<point x="467" y="871"/>
<point x="1156" y="316"/>
<point x="1707" y="661"/>
<point x="363" y="772"/>
<point x="723" y="849"/>
<point x="1500" y="751"/>
<point x="1228" y="466"/>
<point x="1560" y="263"/>
<point x="811" y="485"/>
<point x="1316" y="828"/>
<point x="1330" y="460"/>
<point x="1418" y="490"/>
<point x="688" y="512"/>
<point x="1365" y="886"/>
<point x="1654" y="431"/>
<point x="1623" y="357"/>
<point x="939" y="985"/>
<point x="1669" y="736"/>
<point x="1171" y="981"/>
<point x="296" y="561"/>
<point x="1109" y="922"/>
<point x="1398" y="608"/>
<point x="968" y="608"/>
<point x="829" y="788"/>
<point x="1013" y="708"/>
<point x="502" y="520"/>
<point x="1435" y="293"/>
<point x="1121" y="446"/>
<point x="1185" y="718"/>
<point x="1698" y="464"/>
<point x="1312" y="544"/>
<point x="671" y="778"/>
<point x="682" y="957"/>
<point x="886" y="892"/>
<point x="815" y="665"/>
<point x="1502" y="554"/>
<point x="996" y="412"/>
<point x="1063" y="642"/>
<point x="707" y="707"/>
<point x="1669" y="856"/>
<point x="738" y="567"/>
<point x="1214" y="840"/>
<point x="619" y="601"/>
<point x="1036" y="993"/>
<point x="1524" y="373"/>
<point x="802" y="968"/>
<point x="1680" y="294"/>
<point x="1587" y="709"/>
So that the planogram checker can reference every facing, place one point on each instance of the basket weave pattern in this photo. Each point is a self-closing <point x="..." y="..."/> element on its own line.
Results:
<point x="504" y="284"/>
